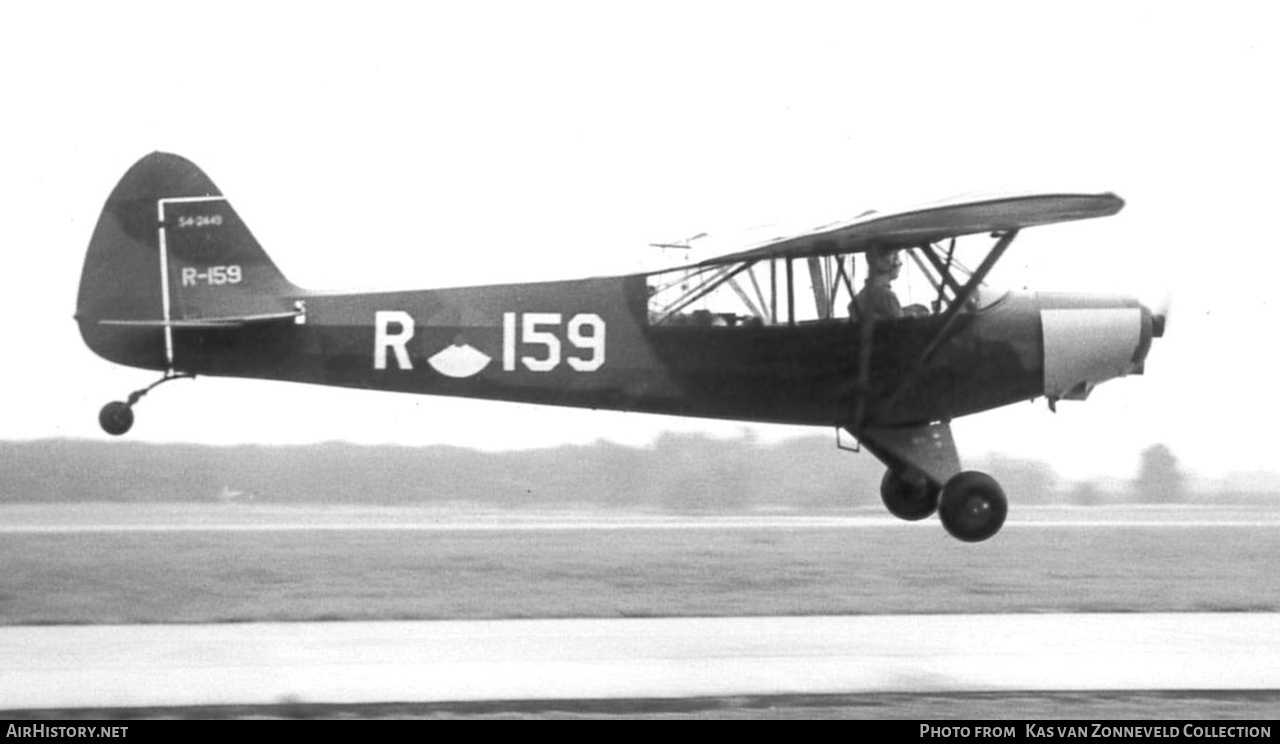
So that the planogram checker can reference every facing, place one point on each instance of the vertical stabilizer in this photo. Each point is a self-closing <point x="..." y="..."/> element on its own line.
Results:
<point x="169" y="250"/>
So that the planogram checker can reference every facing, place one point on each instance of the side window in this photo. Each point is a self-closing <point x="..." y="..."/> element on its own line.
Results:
<point x="752" y="294"/>
<point x="904" y="283"/>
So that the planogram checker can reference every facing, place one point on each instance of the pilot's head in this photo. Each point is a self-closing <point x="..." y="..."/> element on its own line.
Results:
<point x="884" y="262"/>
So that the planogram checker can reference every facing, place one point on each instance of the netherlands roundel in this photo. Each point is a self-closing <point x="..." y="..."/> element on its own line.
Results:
<point x="459" y="360"/>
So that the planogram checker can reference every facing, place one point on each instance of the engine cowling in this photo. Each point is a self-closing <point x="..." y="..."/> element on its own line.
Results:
<point x="1091" y="339"/>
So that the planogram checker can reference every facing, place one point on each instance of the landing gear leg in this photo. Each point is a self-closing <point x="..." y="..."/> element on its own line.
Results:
<point x="116" y="417"/>
<point x="973" y="506"/>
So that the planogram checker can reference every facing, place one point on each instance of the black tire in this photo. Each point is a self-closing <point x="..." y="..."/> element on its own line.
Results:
<point x="116" y="418"/>
<point x="973" y="506"/>
<point x="910" y="499"/>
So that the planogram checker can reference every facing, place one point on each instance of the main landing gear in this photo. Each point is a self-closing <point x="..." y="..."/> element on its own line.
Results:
<point x="116" y="417"/>
<point x="909" y="494"/>
<point x="971" y="505"/>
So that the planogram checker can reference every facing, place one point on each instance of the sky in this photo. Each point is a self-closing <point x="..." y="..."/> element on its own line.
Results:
<point x="447" y="144"/>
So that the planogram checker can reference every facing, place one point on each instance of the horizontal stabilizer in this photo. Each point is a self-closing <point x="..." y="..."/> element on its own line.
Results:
<point x="297" y="316"/>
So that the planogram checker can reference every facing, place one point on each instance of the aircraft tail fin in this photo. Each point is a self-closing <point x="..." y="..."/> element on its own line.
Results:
<point x="170" y="253"/>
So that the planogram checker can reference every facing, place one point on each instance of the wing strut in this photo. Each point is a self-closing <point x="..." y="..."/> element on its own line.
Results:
<point x="944" y="269"/>
<point x="818" y="280"/>
<point x="862" y="386"/>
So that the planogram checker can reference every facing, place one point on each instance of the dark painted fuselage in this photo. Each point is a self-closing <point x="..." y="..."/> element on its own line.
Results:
<point x="588" y="343"/>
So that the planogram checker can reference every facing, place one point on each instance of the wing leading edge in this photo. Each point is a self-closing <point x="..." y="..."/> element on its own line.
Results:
<point x="913" y="227"/>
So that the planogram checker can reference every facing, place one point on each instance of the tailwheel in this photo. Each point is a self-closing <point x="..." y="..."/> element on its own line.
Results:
<point x="909" y="494"/>
<point x="973" y="506"/>
<point x="116" y="417"/>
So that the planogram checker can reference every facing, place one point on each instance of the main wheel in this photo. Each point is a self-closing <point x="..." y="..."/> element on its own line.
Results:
<point x="909" y="496"/>
<point x="973" y="506"/>
<point x="116" y="418"/>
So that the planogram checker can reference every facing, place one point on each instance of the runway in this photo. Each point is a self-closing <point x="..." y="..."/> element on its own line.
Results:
<point x="55" y="667"/>
<point x="188" y="518"/>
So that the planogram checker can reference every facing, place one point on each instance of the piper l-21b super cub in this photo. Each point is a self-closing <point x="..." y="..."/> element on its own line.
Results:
<point x="174" y="282"/>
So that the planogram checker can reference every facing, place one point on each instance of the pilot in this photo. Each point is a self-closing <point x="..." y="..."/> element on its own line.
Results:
<point x="877" y="300"/>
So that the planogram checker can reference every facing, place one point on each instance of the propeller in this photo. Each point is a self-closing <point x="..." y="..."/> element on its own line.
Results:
<point x="1160" y="315"/>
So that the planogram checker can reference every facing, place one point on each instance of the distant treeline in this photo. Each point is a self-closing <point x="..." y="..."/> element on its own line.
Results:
<point x="677" y="473"/>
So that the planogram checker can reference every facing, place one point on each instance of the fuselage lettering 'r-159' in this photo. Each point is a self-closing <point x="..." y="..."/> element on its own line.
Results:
<point x="775" y="332"/>
<point x="583" y="335"/>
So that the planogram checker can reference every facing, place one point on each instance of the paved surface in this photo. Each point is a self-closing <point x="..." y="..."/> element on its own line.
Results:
<point x="267" y="663"/>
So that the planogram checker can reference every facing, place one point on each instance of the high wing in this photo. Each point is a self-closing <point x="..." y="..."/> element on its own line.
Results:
<point x="921" y="225"/>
